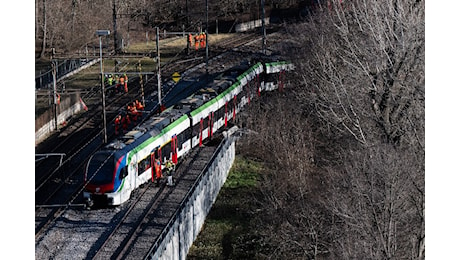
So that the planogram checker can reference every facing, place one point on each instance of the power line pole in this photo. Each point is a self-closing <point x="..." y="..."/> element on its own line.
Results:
<point x="114" y="14"/>
<point x="101" y="33"/>
<point x="141" y="82"/>
<point x="158" y="67"/>
<point x="206" y="38"/>
<point x="186" y="14"/>
<point x="264" y="38"/>
<point x="53" y="64"/>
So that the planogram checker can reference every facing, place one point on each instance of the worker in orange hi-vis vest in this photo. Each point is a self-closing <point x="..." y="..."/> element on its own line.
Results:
<point x="58" y="99"/>
<point x="125" y="121"/>
<point x="189" y="42"/>
<point x="139" y="105"/>
<point x="126" y="82"/>
<point x="158" y="171"/>
<point x="203" y="40"/>
<point x="117" y="124"/>
<point x="117" y="83"/>
<point x="122" y="82"/>
<point x="132" y="111"/>
<point x="197" y="42"/>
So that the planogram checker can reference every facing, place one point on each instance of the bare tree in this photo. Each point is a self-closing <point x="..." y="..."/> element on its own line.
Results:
<point x="366" y="54"/>
<point x="346" y="147"/>
<point x="362" y="74"/>
<point x="44" y="30"/>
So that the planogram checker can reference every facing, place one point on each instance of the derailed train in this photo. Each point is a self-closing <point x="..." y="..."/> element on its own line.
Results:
<point x="124" y="164"/>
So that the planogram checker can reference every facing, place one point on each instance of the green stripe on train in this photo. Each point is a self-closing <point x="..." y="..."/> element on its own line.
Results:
<point x="230" y="89"/>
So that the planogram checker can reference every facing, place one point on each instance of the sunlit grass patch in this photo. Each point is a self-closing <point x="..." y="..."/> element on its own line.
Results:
<point x="244" y="173"/>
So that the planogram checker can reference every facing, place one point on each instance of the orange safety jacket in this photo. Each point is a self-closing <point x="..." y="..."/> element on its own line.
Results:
<point x="158" y="170"/>
<point x="197" y="42"/>
<point x="139" y="106"/>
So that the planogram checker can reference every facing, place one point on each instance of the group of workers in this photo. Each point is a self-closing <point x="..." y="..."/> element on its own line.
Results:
<point x="200" y="41"/>
<point x="120" y="82"/>
<point x="170" y="168"/>
<point x="133" y="113"/>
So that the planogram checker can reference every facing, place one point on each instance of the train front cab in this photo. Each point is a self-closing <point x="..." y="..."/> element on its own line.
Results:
<point x="105" y="179"/>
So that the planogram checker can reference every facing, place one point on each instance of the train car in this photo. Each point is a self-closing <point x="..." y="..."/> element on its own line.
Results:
<point x="123" y="165"/>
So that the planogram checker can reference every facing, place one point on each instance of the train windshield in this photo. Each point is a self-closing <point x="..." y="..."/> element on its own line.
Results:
<point x="100" y="168"/>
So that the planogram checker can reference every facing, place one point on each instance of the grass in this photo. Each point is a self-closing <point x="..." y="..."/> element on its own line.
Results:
<point x="227" y="231"/>
<point x="174" y="43"/>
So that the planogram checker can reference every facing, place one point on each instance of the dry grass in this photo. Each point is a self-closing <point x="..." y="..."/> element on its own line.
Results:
<point x="174" y="43"/>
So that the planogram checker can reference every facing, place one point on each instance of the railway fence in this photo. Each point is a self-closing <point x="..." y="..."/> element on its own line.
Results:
<point x="64" y="68"/>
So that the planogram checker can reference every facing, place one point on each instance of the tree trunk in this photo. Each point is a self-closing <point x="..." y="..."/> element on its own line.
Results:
<point x="42" y="53"/>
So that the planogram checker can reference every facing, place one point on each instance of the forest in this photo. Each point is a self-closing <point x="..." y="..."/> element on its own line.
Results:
<point x="346" y="143"/>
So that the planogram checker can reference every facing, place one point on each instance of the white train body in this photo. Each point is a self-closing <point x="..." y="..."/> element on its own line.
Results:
<point x="123" y="165"/>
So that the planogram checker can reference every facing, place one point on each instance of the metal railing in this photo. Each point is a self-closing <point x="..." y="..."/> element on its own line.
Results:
<point x="64" y="67"/>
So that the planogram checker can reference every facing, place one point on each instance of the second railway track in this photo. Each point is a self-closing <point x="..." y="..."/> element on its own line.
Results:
<point x="70" y="173"/>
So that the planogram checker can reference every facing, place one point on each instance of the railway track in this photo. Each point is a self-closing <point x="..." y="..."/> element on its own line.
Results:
<point x="123" y="237"/>
<point x="116" y="233"/>
<point x="61" y="189"/>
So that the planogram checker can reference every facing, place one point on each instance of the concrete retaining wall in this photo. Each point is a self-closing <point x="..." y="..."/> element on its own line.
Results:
<point x="49" y="127"/>
<point x="191" y="215"/>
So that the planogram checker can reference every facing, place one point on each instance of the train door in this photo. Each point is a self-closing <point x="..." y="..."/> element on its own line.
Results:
<point x="248" y="91"/>
<point x="152" y="165"/>
<point x="234" y="108"/>
<point x="132" y="178"/>
<point x="201" y="132"/>
<point x="155" y="155"/>
<point x="226" y="105"/>
<point x="174" y="149"/>
<point x="258" y="85"/>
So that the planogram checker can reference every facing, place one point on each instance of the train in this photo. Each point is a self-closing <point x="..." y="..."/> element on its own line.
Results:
<point x="121" y="166"/>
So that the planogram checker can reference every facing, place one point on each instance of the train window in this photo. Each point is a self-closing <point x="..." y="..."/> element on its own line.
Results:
<point x="196" y="129"/>
<point x="100" y="168"/>
<point x="240" y="96"/>
<point x="143" y="165"/>
<point x="220" y="113"/>
<point x="166" y="151"/>
<point x="182" y="137"/>
<point x="158" y="154"/>
<point x="205" y="122"/>
<point x="272" y="77"/>
<point x="230" y="106"/>
<point x="123" y="173"/>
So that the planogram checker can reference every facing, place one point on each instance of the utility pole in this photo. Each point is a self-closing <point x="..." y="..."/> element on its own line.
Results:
<point x="264" y="38"/>
<point x="141" y="82"/>
<point x="114" y="14"/>
<point x="101" y="33"/>
<point x="53" y="64"/>
<point x="186" y="14"/>
<point x="207" y="49"/>
<point x="158" y="67"/>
